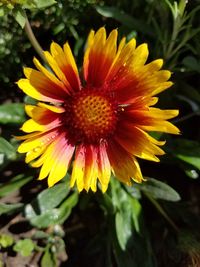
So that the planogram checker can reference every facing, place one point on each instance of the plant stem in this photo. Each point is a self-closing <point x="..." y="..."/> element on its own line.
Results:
<point x="162" y="211"/>
<point x="33" y="40"/>
<point x="186" y="117"/>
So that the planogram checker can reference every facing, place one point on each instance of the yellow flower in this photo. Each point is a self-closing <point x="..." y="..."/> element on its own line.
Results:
<point x="97" y="124"/>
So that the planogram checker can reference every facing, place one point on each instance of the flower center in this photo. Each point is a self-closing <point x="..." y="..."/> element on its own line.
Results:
<point x="93" y="116"/>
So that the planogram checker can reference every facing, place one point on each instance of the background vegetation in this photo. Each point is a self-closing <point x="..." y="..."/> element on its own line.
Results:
<point x="155" y="224"/>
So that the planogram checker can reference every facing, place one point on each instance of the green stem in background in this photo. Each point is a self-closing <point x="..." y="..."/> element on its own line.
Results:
<point x="33" y="40"/>
<point x="186" y="117"/>
<point x="162" y="211"/>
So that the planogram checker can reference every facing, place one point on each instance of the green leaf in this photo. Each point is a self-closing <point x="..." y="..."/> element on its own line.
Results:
<point x="10" y="208"/>
<point x="66" y="208"/>
<point x="158" y="189"/>
<point x="7" y="149"/>
<point x="48" y="259"/>
<point x="24" y="247"/>
<point x="191" y="173"/>
<point x="12" y="113"/>
<point x="51" y="197"/>
<point x="136" y="212"/>
<point x="192" y="63"/>
<point x="6" y="240"/>
<point x="123" y="229"/>
<point x="44" y="3"/>
<point x="2" y="12"/>
<point x="190" y="92"/>
<point x="187" y="151"/>
<point x="55" y="216"/>
<point x="43" y="212"/>
<point x="46" y="219"/>
<point x="14" y="184"/>
<point x="127" y="215"/>
<point x="20" y="16"/>
<point x="125" y="19"/>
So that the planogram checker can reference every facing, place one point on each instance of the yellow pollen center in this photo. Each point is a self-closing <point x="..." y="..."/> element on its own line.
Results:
<point x="94" y="116"/>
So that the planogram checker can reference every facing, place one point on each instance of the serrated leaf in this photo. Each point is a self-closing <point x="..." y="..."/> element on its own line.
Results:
<point x="10" y="208"/>
<point x="14" y="184"/>
<point x="24" y="247"/>
<point x="158" y="189"/>
<point x="12" y="113"/>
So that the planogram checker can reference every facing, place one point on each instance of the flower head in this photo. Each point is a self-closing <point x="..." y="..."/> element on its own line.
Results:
<point x="97" y="125"/>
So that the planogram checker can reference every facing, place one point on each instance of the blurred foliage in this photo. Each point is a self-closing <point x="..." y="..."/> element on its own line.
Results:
<point x="155" y="224"/>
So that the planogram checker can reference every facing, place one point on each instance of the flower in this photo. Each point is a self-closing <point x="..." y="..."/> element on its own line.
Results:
<point x="99" y="125"/>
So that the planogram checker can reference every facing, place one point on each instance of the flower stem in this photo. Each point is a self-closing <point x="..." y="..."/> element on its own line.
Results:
<point x="33" y="40"/>
<point x="162" y="211"/>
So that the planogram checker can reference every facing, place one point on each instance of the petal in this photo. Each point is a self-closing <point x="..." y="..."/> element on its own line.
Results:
<point x="104" y="167"/>
<point x="152" y="120"/>
<point x="85" y="168"/>
<point x="32" y="126"/>
<point x="55" y="160"/>
<point x="66" y="64"/>
<point x="56" y="109"/>
<point x="78" y="168"/>
<point x="62" y="157"/>
<point x="139" y="57"/>
<point x="89" y="43"/>
<point x="39" y="94"/>
<point x="161" y="126"/>
<point x="137" y="142"/>
<point x="118" y="68"/>
<point x="123" y="164"/>
<point x="97" y="62"/>
<point x="43" y="118"/>
<point x="45" y="85"/>
<point x="36" y="140"/>
<point x="91" y="168"/>
<point x="49" y="74"/>
<point x="55" y="67"/>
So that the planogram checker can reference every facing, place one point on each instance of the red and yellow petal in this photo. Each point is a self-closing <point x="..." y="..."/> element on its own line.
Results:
<point x="62" y="155"/>
<point x="63" y="59"/>
<point x="35" y="141"/>
<point x="99" y="56"/>
<point x="91" y="168"/>
<point x="124" y="165"/>
<point x="104" y="167"/>
<point x="91" y="163"/>
<point x="78" y="168"/>
<point x="137" y="142"/>
<point x="55" y="160"/>
<point x="43" y="118"/>
<point x="85" y="168"/>
<point x="152" y="119"/>
<point x="44" y="85"/>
